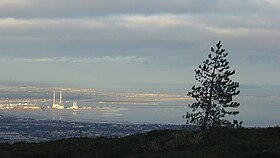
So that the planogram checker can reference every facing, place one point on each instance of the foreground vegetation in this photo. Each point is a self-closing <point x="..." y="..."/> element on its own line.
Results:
<point x="222" y="142"/>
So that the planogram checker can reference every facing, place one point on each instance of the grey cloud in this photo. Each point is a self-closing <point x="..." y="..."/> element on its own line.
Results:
<point x="89" y="8"/>
<point x="156" y="40"/>
<point x="156" y="36"/>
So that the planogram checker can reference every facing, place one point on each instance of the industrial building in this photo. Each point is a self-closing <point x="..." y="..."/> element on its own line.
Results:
<point x="57" y="105"/>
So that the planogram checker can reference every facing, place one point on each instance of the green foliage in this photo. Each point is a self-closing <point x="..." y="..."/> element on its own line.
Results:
<point x="217" y="142"/>
<point x="215" y="93"/>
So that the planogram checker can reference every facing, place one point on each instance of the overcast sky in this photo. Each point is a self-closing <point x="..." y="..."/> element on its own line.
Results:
<point x="136" y="41"/>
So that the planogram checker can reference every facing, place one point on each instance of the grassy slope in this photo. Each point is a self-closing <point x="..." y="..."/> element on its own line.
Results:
<point x="215" y="143"/>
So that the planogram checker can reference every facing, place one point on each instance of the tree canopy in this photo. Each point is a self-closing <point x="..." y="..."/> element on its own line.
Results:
<point x="215" y="94"/>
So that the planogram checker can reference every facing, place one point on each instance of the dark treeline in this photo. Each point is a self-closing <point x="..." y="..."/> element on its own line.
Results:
<point x="217" y="142"/>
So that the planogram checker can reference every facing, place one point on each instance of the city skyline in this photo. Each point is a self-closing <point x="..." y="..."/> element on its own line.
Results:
<point x="89" y="42"/>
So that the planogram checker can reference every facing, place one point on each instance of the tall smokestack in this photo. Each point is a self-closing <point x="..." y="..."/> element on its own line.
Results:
<point x="53" y="97"/>
<point x="60" y="98"/>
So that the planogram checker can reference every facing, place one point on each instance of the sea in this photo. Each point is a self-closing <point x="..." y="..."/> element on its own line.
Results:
<point x="259" y="107"/>
<point x="254" y="112"/>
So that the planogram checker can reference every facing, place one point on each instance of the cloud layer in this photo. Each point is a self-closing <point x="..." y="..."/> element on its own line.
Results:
<point x="88" y="8"/>
<point x="162" y="34"/>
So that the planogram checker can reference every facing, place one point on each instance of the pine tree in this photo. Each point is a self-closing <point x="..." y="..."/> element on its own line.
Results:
<point x="215" y="93"/>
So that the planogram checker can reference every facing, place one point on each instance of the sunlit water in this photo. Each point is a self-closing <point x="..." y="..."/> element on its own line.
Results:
<point x="254" y="111"/>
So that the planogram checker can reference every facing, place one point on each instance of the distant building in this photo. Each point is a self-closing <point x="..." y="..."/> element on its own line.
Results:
<point x="57" y="105"/>
<point x="74" y="105"/>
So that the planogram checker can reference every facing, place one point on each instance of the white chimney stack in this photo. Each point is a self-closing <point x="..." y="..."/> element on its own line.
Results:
<point x="60" y="98"/>
<point x="53" y="97"/>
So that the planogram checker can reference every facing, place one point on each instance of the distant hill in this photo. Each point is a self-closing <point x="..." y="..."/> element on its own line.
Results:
<point x="249" y="143"/>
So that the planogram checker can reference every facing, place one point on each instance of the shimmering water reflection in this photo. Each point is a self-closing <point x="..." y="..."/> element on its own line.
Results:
<point x="254" y="111"/>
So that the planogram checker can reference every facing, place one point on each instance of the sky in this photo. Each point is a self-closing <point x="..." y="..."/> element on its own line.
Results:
<point x="91" y="42"/>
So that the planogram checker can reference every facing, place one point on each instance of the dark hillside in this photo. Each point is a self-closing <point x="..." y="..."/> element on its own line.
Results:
<point x="254" y="143"/>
